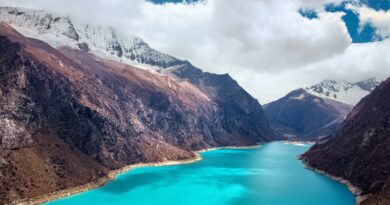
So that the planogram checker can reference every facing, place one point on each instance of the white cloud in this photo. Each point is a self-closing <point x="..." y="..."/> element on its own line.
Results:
<point x="357" y="63"/>
<point x="266" y="45"/>
<point x="263" y="35"/>
<point x="379" y="19"/>
<point x="318" y="4"/>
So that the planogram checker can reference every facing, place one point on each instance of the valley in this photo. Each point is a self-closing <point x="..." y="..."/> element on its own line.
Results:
<point x="90" y="113"/>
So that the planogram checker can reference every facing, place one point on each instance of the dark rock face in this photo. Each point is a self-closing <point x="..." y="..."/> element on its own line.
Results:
<point x="33" y="158"/>
<point x="300" y="115"/>
<point x="360" y="151"/>
<point x="241" y="114"/>
<point x="83" y="46"/>
<point x="67" y="117"/>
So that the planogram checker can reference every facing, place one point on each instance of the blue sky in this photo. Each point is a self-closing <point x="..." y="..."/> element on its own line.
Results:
<point x="351" y="19"/>
<point x="377" y="4"/>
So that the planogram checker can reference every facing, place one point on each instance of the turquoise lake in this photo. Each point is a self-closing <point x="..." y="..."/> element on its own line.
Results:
<point x="269" y="175"/>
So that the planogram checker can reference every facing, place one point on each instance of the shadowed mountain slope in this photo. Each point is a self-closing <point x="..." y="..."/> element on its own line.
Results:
<point x="67" y="116"/>
<point x="301" y="115"/>
<point x="360" y="151"/>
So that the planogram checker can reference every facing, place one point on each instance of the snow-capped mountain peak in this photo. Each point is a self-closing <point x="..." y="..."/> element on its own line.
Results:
<point x="105" y="42"/>
<point x="344" y="91"/>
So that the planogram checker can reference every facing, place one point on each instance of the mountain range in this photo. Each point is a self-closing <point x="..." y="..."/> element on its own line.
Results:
<point x="105" y="42"/>
<point x="74" y="105"/>
<point x="79" y="100"/>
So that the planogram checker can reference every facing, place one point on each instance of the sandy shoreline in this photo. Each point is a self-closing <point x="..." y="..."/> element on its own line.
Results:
<point x="355" y="190"/>
<point x="228" y="147"/>
<point x="298" y="142"/>
<point x="113" y="173"/>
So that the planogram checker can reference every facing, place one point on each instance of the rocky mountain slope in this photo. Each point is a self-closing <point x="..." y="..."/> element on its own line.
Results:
<point x="360" y="151"/>
<point x="343" y="91"/>
<point x="68" y="116"/>
<point x="301" y="115"/>
<point x="59" y="31"/>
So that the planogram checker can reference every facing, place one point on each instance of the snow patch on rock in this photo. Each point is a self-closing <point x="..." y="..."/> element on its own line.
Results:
<point x="102" y="41"/>
<point x="343" y="91"/>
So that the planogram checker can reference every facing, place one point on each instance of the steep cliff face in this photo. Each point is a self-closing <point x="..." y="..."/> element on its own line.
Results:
<point x="360" y="151"/>
<point x="301" y="115"/>
<point x="34" y="159"/>
<point x="67" y="116"/>
<point x="241" y="114"/>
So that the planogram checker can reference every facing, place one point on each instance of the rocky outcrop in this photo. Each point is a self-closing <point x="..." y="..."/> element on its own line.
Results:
<point x="303" y="116"/>
<point x="359" y="151"/>
<point x="67" y="117"/>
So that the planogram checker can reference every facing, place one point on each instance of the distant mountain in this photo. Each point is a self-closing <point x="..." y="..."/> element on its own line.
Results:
<point x="73" y="109"/>
<point x="360" y="151"/>
<point x="344" y="91"/>
<point x="301" y="115"/>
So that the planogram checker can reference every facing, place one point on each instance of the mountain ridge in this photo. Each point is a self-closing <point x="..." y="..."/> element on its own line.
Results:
<point x="66" y="108"/>
<point x="104" y="42"/>
<point x="301" y="115"/>
<point x="344" y="91"/>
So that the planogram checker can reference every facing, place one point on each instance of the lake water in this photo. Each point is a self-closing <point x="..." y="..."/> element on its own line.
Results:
<point x="269" y="175"/>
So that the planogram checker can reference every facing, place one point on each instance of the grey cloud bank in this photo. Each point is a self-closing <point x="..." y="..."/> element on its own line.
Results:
<point x="267" y="46"/>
